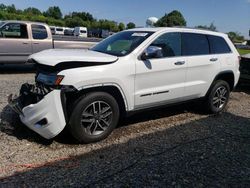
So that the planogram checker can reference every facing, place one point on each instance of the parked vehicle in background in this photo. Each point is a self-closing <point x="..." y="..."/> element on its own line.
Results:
<point x="98" y="33"/>
<point x="129" y="71"/>
<point x="111" y="33"/>
<point x="53" y="30"/>
<point x="19" y="39"/>
<point x="69" y="31"/>
<point x="59" y="31"/>
<point x="80" y="32"/>
<point x="241" y="46"/>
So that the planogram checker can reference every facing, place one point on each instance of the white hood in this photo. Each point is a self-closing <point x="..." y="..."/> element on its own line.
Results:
<point x="53" y="57"/>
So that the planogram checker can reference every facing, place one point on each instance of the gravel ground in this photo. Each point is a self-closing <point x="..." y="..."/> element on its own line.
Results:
<point x="177" y="146"/>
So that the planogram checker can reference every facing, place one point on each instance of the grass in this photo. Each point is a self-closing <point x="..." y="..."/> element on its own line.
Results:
<point x="243" y="51"/>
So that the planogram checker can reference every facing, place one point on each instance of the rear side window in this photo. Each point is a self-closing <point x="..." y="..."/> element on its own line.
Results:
<point x="39" y="32"/>
<point x="218" y="45"/>
<point x="194" y="44"/>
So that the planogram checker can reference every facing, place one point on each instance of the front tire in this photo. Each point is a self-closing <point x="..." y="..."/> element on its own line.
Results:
<point x="94" y="117"/>
<point x="218" y="97"/>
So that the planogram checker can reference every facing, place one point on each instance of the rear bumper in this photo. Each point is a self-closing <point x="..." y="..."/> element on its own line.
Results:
<point x="237" y="78"/>
<point x="45" y="117"/>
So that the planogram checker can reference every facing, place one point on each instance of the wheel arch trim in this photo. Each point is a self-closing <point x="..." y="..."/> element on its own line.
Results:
<point x="106" y="85"/>
<point x="224" y="73"/>
<point x="218" y="75"/>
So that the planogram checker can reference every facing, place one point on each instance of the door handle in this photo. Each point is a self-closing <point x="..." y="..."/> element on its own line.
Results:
<point x="213" y="59"/>
<point x="179" y="63"/>
<point x="36" y="43"/>
<point x="25" y="43"/>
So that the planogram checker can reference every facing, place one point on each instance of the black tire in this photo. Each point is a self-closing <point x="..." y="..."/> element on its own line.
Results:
<point x="87" y="123"/>
<point x="217" y="87"/>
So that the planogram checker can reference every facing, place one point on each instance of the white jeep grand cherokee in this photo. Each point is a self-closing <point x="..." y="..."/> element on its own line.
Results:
<point x="89" y="90"/>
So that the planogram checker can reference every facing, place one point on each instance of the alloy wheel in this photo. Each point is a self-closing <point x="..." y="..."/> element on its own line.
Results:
<point x="97" y="117"/>
<point x="220" y="97"/>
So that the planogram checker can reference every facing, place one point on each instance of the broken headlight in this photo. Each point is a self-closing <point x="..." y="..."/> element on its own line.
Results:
<point x="49" y="79"/>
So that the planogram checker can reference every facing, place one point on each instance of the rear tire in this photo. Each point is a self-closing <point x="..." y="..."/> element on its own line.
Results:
<point x="218" y="97"/>
<point x="94" y="117"/>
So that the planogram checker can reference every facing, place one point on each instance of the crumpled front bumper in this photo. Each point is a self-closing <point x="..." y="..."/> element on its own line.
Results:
<point x="45" y="117"/>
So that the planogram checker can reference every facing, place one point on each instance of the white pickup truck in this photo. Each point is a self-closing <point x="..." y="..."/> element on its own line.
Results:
<point x="19" y="39"/>
<point x="89" y="90"/>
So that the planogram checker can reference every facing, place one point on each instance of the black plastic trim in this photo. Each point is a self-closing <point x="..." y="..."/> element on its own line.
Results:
<point x="162" y="105"/>
<point x="64" y="90"/>
<point x="155" y="93"/>
<point x="216" y="77"/>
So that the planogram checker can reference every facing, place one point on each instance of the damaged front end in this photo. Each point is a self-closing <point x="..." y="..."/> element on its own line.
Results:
<point x="40" y="107"/>
<point x="29" y="94"/>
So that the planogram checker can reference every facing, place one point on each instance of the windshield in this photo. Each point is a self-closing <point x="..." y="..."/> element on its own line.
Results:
<point x="122" y="43"/>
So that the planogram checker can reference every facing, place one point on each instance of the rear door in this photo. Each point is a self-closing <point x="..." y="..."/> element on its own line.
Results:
<point x="203" y="63"/>
<point x="15" y="45"/>
<point x="41" y="40"/>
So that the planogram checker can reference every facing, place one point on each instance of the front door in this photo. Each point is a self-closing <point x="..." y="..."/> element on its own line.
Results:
<point x="161" y="80"/>
<point x="15" y="45"/>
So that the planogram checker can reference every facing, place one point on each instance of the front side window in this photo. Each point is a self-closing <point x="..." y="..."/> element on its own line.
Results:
<point x="14" y="30"/>
<point x="218" y="45"/>
<point x="39" y="32"/>
<point x="194" y="44"/>
<point x="122" y="43"/>
<point x="170" y="44"/>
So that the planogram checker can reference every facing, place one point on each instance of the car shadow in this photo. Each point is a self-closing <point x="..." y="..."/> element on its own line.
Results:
<point x="209" y="152"/>
<point x="17" y="68"/>
<point x="11" y="124"/>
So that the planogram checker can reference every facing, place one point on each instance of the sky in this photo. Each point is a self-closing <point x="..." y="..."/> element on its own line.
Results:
<point x="227" y="15"/>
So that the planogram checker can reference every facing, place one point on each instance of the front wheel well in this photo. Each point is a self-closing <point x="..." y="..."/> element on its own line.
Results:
<point x="73" y="98"/>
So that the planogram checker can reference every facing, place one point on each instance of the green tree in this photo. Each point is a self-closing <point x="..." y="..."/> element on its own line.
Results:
<point x="235" y="36"/>
<point x="174" y="18"/>
<point x="85" y="16"/>
<point x="95" y="24"/>
<point x="74" y="22"/>
<point x="11" y="8"/>
<point x="131" y="25"/>
<point x="108" y="25"/>
<point x="53" y="16"/>
<point x="211" y="27"/>
<point x="53" y="12"/>
<point x="2" y="7"/>
<point x="32" y="10"/>
<point x="121" y="26"/>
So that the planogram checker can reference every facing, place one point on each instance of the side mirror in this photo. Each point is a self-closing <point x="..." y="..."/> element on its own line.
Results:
<point x="152" y="52"/>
